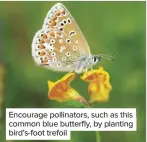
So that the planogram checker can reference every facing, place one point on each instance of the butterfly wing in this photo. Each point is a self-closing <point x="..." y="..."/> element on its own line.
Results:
<point x="48" y="53"/>
<point x="60" y="42"/>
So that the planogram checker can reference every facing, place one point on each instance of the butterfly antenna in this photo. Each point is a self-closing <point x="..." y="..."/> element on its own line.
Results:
<point x="108" y="57"/>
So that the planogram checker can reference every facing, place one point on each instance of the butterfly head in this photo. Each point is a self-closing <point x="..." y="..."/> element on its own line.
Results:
<point x="97" y="58"/>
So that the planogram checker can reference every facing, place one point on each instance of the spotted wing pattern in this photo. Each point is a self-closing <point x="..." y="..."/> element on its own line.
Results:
<point x="60" y="43"/>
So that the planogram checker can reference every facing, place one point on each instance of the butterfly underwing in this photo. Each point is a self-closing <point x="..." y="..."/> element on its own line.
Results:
<point x="60" y="45"/>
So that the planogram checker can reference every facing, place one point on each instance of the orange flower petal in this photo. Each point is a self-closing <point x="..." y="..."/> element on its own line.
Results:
<point x="99" y="85"/>
<point x="61" y="90"/>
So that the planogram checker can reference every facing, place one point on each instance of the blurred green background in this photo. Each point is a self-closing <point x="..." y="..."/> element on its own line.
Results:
<point x="109" y="27"/>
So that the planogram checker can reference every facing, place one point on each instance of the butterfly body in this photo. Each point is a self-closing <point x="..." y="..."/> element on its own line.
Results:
<point x="85" y="62"/>
<point x="60" y="45"/>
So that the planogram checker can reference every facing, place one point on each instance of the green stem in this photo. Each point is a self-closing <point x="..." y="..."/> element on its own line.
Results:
<point x="98" y="137"/>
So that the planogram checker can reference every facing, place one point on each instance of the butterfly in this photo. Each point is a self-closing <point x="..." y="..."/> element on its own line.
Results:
<point x="61" y="46"/>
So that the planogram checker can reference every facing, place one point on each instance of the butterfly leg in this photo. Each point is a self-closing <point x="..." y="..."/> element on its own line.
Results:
<point x="85" y="71"/>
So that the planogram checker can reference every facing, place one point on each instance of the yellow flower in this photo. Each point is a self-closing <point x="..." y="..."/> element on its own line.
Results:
<point x="99" y="85"/>
<point x="61" y="90"/>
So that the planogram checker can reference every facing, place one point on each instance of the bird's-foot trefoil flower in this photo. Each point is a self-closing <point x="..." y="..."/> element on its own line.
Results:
<point x="61" y="90"/>
<point x="99" y="85"/>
